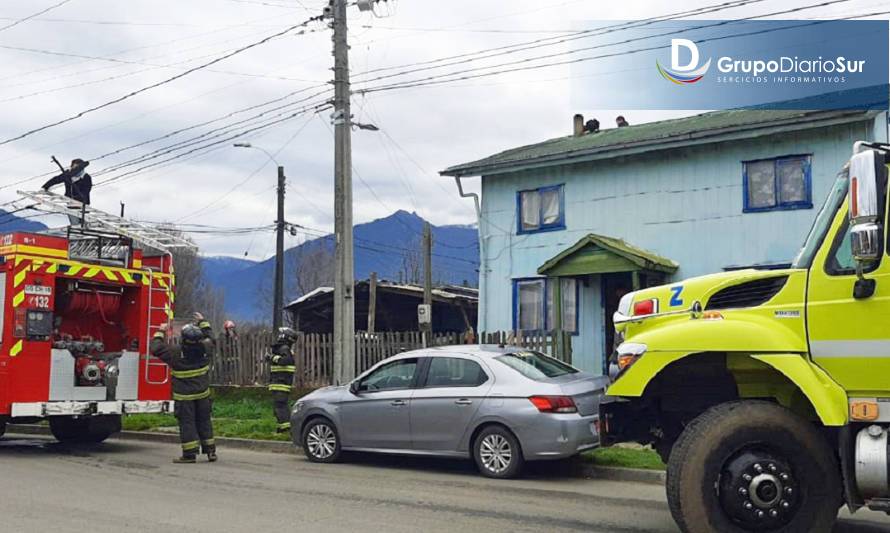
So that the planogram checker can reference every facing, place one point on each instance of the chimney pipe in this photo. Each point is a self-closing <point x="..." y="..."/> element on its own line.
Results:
<point x="578" y="125"/>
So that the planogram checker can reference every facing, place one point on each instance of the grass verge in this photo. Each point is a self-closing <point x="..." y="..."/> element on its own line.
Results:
<point x="625" y="457"/>
<point x="237" y="412"/>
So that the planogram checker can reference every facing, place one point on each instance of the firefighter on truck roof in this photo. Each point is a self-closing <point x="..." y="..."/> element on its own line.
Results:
<point x="190" y="368"/>
<point x="282" y="378"/>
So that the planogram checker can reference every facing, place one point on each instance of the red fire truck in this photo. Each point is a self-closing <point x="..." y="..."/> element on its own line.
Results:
<point x="77" y="311"/>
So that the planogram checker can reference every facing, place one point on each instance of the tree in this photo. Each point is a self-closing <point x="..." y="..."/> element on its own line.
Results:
<point x="193" y="292"/>
<point x="313" y="266"/>
<point x="412" y="263"/>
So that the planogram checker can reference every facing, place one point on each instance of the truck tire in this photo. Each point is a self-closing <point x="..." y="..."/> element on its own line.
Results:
<point x="85" y="430"/>
<point x="753" y="466"/>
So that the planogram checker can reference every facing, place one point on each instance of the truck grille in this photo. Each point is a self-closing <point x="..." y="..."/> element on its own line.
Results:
<point x="750" y="294"/>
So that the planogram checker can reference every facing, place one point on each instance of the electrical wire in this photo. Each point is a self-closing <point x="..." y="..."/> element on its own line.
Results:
<point x="159" y="83"/>
<point x="463" y="75"/>
<point x="29" y="17"/>
<point x="249" y="177"/>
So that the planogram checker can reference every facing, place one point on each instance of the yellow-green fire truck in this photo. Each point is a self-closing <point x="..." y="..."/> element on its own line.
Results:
<point x="767" y="392"/>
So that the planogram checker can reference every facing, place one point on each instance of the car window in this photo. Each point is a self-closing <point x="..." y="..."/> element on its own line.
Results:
<point x="534" y="365"/>
<point x="392" y="376"/>
<point x="455" y="372"/>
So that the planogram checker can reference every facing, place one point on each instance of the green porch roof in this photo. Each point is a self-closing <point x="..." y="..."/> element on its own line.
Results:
<point x="598" y="254"/>
<point x="710" y="127"/>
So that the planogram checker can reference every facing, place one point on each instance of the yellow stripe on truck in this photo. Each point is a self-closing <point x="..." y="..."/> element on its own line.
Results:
<point x="16" y="348"/>
<point x="19" y="278"/>
<point x="18" y="299"/>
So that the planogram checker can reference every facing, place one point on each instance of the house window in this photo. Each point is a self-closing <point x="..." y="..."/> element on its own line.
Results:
<point x="534" y="305"/>
<point x="541" y="209"/>
<point x="777" y="184"/>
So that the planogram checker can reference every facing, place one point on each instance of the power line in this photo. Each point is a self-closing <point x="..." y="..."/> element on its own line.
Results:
<point x="463" y="75"/>
<point x="249" y="177"/>
<point x="130" y="174"/>
<point x="225" y="133"/>
<point x="551" y="41"/>
<point x="158" y="84"/>
<point x="29" y="17"/>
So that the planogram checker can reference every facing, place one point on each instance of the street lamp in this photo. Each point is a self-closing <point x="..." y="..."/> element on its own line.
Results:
<point x="278" y="303"/>
<point x="248" y="145"/>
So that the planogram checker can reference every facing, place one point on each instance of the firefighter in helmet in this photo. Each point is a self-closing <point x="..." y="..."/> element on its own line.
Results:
<point x="190" y="367"/>
<point x="282" y="378"/>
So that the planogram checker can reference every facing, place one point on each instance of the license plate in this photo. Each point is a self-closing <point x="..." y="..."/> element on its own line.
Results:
<point x="40" y="290"/>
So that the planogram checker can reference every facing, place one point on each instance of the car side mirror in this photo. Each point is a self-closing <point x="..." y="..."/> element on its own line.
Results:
<point x="354" y="387"/>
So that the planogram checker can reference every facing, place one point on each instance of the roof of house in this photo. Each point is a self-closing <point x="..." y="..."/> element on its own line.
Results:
<point x="710" y="127"/>
<point x="637" y="257"/>
<point x="445" y="293"/>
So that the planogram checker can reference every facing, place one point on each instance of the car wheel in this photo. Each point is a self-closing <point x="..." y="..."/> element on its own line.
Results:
<point x="752" y="466"/>
<point x="497" y="453"/>
<point x="321" y="443"/>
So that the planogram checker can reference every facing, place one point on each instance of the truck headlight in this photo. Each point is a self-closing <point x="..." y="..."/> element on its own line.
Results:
<point x="628" y="354"/>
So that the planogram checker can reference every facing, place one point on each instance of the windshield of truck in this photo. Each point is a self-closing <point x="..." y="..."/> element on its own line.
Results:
<point x="537" y="366"/>
<point x="823" y="221"/>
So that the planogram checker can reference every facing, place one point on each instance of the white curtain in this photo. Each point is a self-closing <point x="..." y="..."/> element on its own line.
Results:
<point x="531" y="210"/>
<point x="531" y="305"/>
<point x="569" y="304"/>
<point x="550" y="207"/>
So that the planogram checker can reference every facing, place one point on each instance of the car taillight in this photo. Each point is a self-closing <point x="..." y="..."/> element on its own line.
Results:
<point x="646" y="307"/>
<point x="554" y="404"/>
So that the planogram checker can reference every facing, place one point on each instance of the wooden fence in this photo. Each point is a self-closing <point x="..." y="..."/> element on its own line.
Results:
<point x="243" y="361"/>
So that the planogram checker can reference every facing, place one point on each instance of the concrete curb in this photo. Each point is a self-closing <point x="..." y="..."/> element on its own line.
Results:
<point x="585" y="470"/>
<point x="634" y="475"/>
<point x="172" y="438"/>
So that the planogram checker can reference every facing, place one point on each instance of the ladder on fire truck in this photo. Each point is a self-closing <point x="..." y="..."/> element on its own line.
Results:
<point x="146" y="234"/>
<point x="95" y="219"/>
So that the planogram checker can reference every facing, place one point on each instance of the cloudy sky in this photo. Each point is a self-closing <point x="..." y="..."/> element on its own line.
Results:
<point x="168" y="151"/>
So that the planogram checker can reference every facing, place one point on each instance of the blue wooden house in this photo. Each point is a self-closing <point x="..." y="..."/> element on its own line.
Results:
<point x="568" y="225"/>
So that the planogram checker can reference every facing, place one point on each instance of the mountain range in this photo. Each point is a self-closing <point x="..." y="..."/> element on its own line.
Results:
<point x="389" y="246"/>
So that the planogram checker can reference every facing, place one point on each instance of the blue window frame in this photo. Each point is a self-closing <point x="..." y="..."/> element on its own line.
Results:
<point x="541" y="209"/>
<point x="781" y="183"/>
<point x="534" y="308"/>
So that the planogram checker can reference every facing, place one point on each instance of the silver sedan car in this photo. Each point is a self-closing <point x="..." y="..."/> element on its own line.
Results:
<point x="499" y="405"/>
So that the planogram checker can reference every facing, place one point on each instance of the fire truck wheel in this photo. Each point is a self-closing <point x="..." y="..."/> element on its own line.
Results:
<point x="752" y="466"/>
<point x="88" y="430"/>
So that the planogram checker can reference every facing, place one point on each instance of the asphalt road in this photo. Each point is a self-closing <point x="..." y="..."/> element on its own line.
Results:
<point x="133" y="486"/>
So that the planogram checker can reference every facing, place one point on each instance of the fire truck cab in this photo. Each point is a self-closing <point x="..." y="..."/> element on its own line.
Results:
<point x="77" y="311"/>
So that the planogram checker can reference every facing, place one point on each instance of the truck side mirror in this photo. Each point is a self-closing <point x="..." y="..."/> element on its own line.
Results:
<point x="867" y="183"/>
<point x="866" y="242"/>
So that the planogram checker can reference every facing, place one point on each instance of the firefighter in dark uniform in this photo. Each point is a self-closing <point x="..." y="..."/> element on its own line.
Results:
<point x="282" y="378"/>
<point x="190" y="367"/>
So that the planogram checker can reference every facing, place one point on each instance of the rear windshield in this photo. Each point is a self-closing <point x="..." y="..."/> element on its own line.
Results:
<point x="534" y="365"/>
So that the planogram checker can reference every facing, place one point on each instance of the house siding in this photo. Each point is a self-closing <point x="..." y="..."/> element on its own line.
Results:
<point x="685" y="204"/>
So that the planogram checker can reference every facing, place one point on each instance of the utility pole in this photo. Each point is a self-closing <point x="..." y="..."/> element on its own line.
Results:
<point x="344" y="273"/>
<point x="278" y="305"/>
<point x="372" y="302"/>
<point x="427" y="281"/>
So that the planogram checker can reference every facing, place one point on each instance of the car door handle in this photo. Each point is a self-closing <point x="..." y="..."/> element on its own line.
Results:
<point x="397" y="403"/>
<point x="463" y="401"/>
